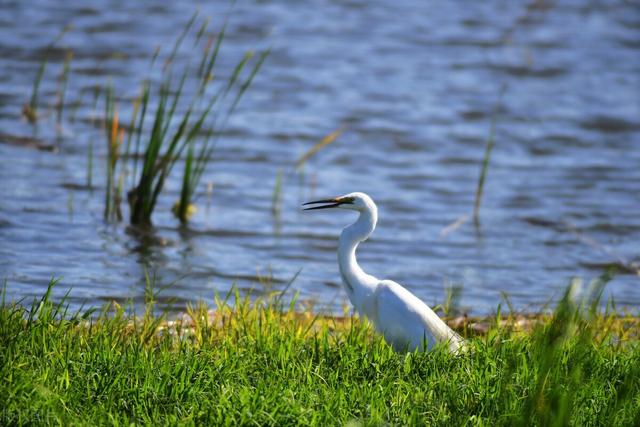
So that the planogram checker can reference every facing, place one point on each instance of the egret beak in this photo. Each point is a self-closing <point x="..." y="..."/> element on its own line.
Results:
<point x="328" y="203"/>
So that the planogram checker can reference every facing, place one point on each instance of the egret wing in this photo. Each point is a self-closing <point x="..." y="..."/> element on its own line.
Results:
<point x="407" y="322"/>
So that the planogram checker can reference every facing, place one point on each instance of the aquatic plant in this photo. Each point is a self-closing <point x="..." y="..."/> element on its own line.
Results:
<point x="156" y="165"/>
<point x="180" y="125"/>
<point x="193" y="168"/>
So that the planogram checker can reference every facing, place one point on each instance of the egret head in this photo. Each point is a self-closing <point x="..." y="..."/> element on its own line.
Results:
<point x="353" y="201"/>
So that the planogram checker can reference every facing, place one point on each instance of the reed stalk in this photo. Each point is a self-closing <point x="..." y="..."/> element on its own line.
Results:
<point x="115" y="135"/>
<point x="483" y="169"/>
<point x="30" y="110"/>
<point x="276" y="196"/>
<point x="64" y="77"/>
<point x="195" y="163"/>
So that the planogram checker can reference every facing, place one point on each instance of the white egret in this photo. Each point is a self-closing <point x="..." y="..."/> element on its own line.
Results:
<point x="402" y="318"/>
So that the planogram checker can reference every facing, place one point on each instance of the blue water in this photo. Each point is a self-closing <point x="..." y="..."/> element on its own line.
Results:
<point x="415" y="85"/>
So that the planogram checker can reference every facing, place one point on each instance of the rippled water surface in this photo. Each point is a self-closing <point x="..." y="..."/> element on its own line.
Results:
<point x="415" y="86"/>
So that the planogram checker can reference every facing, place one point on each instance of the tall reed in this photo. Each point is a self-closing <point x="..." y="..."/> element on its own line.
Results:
<point x="30" y="109"/>
<point x="115" y="135"/>
<point x="276" y="196"/>
<point x="195" y="163"/>
<point x="483" y="169"/>
<point x="96" y="96"/>
<point x="64" y="77"/>
<point x="187" y="119"/>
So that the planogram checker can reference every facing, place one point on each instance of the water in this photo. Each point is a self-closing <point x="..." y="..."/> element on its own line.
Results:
<point x="415" y="85"/>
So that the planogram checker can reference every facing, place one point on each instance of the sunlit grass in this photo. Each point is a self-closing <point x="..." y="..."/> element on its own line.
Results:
<point x="261" y="362"/>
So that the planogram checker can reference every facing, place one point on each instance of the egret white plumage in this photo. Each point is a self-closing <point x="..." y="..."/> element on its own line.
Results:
<point x="402" y="318"/>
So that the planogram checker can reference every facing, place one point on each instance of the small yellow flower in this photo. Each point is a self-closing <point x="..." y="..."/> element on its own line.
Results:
<point x="191" y="209"/>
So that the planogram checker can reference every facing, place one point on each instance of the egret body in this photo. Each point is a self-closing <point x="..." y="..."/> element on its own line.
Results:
<point x="403" y="319"/>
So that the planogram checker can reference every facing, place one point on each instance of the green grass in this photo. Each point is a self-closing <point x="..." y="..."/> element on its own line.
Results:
<point x="261" y="363"/>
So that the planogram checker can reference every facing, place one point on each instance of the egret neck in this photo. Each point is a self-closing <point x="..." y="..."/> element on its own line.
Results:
<point x="359" y="285"/>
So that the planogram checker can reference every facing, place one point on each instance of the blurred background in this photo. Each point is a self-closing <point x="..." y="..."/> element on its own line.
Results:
<point x="397" y="99"/>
